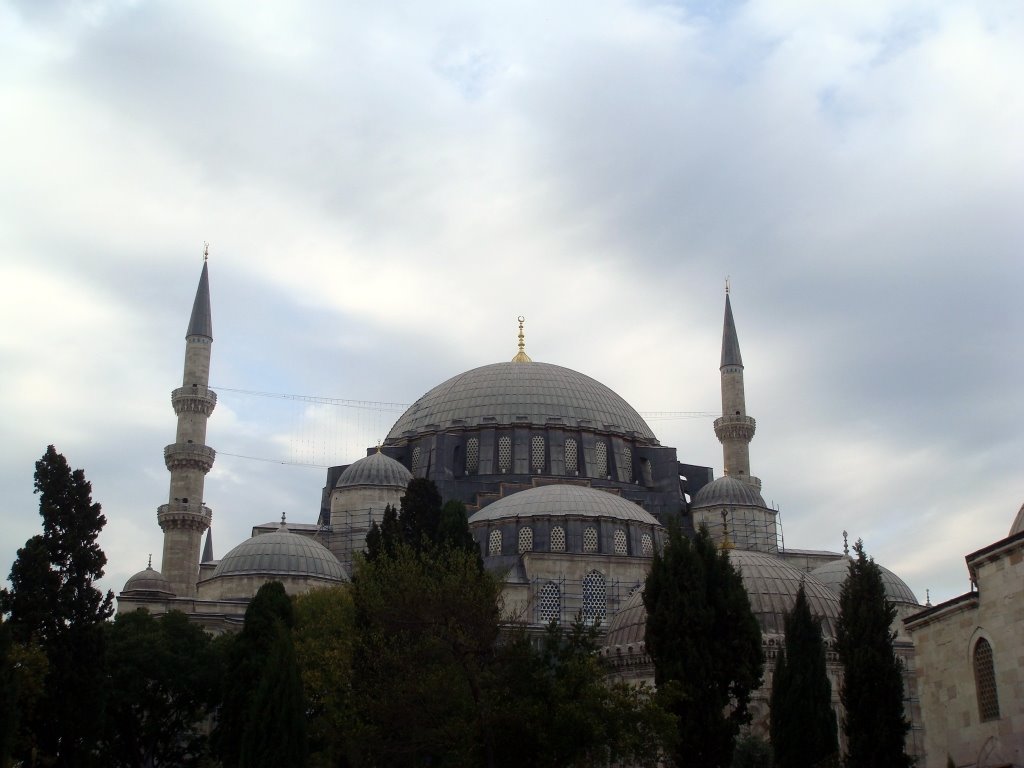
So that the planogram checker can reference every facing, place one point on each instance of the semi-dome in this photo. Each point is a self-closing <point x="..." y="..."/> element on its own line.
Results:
<point x="1018" y="523"/>
<point x="375" y="469"/>
<point x="772" y="585"/>
<point x="628" y="626"/>
<point x="727" y="490"/>
<point x="563" y="500"/>
<point x="524" y="394"/>
<point x="148" y="580"/>
<point x="281" y="553"/>
<point x="833" y="574"/>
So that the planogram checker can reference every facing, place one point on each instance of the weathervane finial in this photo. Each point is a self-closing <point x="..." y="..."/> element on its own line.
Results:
<point x="521" y="356"/>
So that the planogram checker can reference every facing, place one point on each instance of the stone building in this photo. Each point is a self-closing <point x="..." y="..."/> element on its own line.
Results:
<point x="970" y="662"/>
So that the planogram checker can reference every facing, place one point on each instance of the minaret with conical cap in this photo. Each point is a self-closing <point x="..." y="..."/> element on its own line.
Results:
<point x="184" y="518"/>
<point x="734" y="429"/>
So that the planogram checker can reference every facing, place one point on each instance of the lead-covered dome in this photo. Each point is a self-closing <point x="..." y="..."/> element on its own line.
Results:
<point x="149" y="581"/>
<point x="1018" y="523"/>
<point x="377" y="470"/>
<point x="522" y="393"/>
<point x="833" y="574"/>
<point x="727" y="491"/>
<point x="281" y="553"/>
<point x="563" y="501"/>
<point x="772" y="585"/>
<point x="628" y="626"/>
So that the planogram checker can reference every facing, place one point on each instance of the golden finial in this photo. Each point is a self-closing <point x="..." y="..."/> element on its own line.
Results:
<point x="726" y="543"/>
<point x="378" y="446"/>
<point x="206" y="251"/>
<point x="521" y="356"/>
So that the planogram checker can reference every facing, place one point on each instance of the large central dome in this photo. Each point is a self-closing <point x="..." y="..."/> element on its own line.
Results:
<point x="522" y="393"/>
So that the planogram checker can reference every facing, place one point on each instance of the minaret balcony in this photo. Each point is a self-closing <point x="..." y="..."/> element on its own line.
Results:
<point x="189" y="456"/>
<point x="735" y="427"/>
<point x="194" y="399"/>
<point x="188" y="516"/>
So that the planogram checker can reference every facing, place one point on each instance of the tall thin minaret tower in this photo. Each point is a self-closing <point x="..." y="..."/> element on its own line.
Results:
<point x="184" y="518"/>
<point x="734" y="429"/>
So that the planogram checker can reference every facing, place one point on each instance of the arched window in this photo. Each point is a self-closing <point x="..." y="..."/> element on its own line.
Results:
<point x="620" y="543"/>
<point x="627" y="463"/>
<point x="537" y="453"/>
<point x="417" y="457"/>
<point x="647" y="545"/>
<point x="645" y="472"/>
<point x="590" y="540"/>
<point x="525" y="539"/>
<point x="549" y="603"/>
<point x="494" y="544"/>
<point x="558" y="539"/>
<point x="472" y="456"/>
<point x="572" y="466"/>
<point x="504" y="454"/>
<point x="594" y="603"/>
<point x="600" y="460"/>
<point x="985" y="681"/>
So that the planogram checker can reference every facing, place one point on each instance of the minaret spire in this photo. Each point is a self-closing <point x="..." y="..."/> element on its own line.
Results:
<point x="734" y="429"/>
<point x="184" y="518"/>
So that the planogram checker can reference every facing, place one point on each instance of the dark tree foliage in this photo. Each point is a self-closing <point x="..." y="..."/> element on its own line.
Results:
<point x="254" y="659"/>
<point x="420" y="514"/>
<point x="705" y="643"/>
<point x="552" y="707"/>
<point x="52" y="602"/>
<point x="381" y="539"/>
<point x="803" y="724"/>
<point x="872" y="691"/>
<point x="10" y="712"/>
<point x="422" y="523"/>
<point x="163" y="684"/>
<point x="752" y="752"/>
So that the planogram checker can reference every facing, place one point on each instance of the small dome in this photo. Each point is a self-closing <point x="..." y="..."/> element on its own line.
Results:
<point x="561" y="501"/>
<point x="281" y="553"/>
<point x="727" y="490"/>
<point x="1018" y="523"/>
<point x="833" y="574"/>
<point x="148" y="581"/>
<point x="772" y="584"/>
<point x="375" y="469"/>
<point x="524" y="394"/>
<point x="629" y="624"/>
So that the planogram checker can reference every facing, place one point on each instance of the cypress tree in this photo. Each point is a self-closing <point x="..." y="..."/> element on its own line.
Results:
<point x="872" y="677"/>
<point x="53" y="603"/>
<point x="803" y="725"/>
<point x="705" y="643"/>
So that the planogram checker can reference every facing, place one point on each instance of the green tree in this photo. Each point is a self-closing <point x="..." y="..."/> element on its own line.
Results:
<point x="420" y="513"/>
<point x="261" y="668"/>
<point x="803" y="724"/>
<point x="52" y="602"/>
<point x="705" y="644"/>
<point x="872" y="692"/>
<point x="324" y="638"/>
<point x="163" y="684"/>
<point x="382" y="539"/>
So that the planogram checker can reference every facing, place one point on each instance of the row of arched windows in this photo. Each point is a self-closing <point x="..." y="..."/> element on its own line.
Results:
<point x="594" y="603"/>
<point x="620" y="543"/>
<point x="538" y="458"/>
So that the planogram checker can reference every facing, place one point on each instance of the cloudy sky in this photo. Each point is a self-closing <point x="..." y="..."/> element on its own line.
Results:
<point x="386" y="186"/>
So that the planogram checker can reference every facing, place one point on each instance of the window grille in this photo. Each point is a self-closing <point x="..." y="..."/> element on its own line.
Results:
<point x="627" y="463"/>
<point x="549" y="603"/>
<point x="620" y="543"/>
<point x="417" y="456"/>
<point x="558" y="539"/>
<point x="985" y="681"/>
<point x="600" y="460"/>
<point x="537" y="453"/>
<point x="494" y="544"/>
<point x="504" y="454"/>
<point x="525" y="539"/>
<point x="594" y="599"/>
<point x="645" y="471"/>
<point x="590" y="540"/>
<point x="472" y="456"/>
<point x="572" y="466"/>
<point x="647" y="545"/>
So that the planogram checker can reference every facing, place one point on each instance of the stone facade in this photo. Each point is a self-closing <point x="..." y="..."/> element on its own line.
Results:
<point x="970" y="655"/>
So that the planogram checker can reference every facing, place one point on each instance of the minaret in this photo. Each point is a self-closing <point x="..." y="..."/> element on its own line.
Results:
<point x="734" y="429"/>
<point x="184" y="518"/>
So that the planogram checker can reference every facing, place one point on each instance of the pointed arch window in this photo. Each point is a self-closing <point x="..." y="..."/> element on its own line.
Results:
<point x="590" y="540"/>
<point x="558" y="539"/>
<point x="600" y="460"/>
<point x="549" y="603"/>
<point x="594" y="599"/>
<point x="525" y="539"/>
<point x="504" y="454"/>
<point x="537" y="454"/>
<point x="494" y="544"/>
<point x="571" y="457"/>
<point x="472" y="456"/>
<point x="985" y="681"/>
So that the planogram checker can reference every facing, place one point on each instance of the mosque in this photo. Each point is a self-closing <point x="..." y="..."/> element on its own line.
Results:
<point x="568" y="491"/>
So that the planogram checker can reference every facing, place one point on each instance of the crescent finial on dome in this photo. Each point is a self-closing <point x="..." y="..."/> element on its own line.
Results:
<point x="521" y="356"/>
